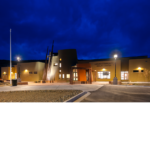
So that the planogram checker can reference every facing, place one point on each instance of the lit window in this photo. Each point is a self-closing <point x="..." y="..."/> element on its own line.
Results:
<point x="74" y="70"/>
<point x="59" y="76"/>
<point x="35" y="72"/>
<point x="60" y="65"/>
<point x="124" y="75"/>
<point x="63" y="76"/>
<point x="55" y="64"/>
<point x="60" y="59"/>
<point x="75" y="75"/>
<point x="67" y="76"/>
<point x="104" y="75"/>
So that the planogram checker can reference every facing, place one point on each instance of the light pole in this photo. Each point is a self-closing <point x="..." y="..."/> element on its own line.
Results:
<point x="115" y="80"/>
<point x="18" y="58"/>
<point x="10" y="56"/>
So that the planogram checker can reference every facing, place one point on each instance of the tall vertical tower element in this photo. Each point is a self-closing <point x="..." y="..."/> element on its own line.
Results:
<point x="45" y="68"/>
<point x="10" y="56"/>
<point x="49" y="64"/>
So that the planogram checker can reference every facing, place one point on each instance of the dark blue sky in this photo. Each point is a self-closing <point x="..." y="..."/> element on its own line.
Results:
<point x="95" y="28"/>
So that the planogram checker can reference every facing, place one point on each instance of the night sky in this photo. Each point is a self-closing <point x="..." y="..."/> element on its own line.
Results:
<point x="95" y="28"/>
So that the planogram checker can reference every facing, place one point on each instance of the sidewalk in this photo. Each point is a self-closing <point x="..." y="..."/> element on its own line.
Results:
<point x="51" y="86"/>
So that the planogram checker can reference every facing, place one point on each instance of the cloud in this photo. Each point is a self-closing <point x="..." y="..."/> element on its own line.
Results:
<point x="94" y="28"/>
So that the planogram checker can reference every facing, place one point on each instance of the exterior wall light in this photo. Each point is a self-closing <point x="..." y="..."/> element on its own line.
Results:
<point x="60" y="59"/>
<point x="139" y="68"/>
<point x="104" y="69"/>
<point x="26" y="70"/>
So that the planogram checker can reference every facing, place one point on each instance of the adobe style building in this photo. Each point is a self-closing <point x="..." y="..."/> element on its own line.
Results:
<point x="65" y="67"/>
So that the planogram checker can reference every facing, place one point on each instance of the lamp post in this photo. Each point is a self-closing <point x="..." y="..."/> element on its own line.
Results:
<point x="115" y="80"/>
<point x="18" y="58"/>
<point x="10" y="56"/>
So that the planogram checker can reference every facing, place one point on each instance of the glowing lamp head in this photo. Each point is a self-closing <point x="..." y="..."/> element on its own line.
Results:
<point x="103" y="69"/>
<point x="18" y="58"/>
<point x="26" y="70"/>
<point x="139" y="68"/>
<point x="115" y="56"/>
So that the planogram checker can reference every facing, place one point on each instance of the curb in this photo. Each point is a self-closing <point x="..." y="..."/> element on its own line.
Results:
<point x="79" y="97"/>
<point x="83" y="97"/>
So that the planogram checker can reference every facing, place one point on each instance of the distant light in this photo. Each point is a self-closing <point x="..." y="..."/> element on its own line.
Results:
<point x="60" y="59"/>
<point x="115" y="56"/>
<point x="4" y="72"/>
<point x="11" y="72"/>
<point x="18" y="58"/>
<point x="104" y="69"/>
<point x="139" y="68"/>
<point x="26" y="70"/>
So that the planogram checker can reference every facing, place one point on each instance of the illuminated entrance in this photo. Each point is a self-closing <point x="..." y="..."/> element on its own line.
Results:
<point x="74" y="74"/>
<point x="124" y="75"/>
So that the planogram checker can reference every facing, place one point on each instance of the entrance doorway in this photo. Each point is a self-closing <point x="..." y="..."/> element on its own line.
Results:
<point x="124" y="75"/>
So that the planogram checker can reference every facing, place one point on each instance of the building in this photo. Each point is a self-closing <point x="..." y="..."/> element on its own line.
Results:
<point x="65" y="67"/>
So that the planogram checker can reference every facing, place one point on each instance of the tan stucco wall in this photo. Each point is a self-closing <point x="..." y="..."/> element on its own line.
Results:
<point x="139" y="76"/>
<point x="4" y="76"/>
<point x="25" y="68"/>
<point x="7" y="71"/>
<point x="108" y="66"/>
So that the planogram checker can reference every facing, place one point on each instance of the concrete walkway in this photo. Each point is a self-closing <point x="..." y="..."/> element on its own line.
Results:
<point x="52" y="86"/>
<point x="117" y="93"/>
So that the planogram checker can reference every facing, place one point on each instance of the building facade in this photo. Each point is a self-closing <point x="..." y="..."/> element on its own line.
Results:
<point x="132" y="69"/>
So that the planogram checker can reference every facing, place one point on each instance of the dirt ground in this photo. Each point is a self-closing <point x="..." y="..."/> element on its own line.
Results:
<point x="38" y="96"/>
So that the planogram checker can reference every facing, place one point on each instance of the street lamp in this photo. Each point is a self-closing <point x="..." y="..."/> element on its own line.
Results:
<point x="18" y="58"/>
<point x="115" y="80"/>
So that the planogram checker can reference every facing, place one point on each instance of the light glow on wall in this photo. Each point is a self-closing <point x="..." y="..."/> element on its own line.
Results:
<point x="104" y="69"/>
<point x="139" y="68"/>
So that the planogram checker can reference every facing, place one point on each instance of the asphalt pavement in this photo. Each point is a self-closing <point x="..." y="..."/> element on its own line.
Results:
<point x="119" y="93"/>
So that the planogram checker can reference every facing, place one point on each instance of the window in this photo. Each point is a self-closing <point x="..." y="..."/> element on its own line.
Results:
<point x="104" y="75"/>
<point x="60" y="65"/>
<point x="59" y="76"/>
<point x="55" y="64"/>
<point x="135" y="70"/>
<point x="67" y="76"/>
<point x="35" y="72"/>
<point x="124" y="75"/>
<point x="63" y="76"/>
<point x="59" y="70"/>
<point x="30" y="72"/>
<point x="75" y="75"/>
